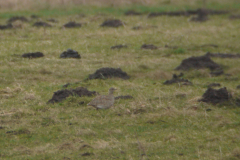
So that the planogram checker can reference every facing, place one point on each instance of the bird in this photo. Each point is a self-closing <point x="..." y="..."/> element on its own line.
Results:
<point x="103" y="101"/>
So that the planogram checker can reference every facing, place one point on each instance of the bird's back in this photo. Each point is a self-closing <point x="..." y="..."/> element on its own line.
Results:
<point x="102" y="102"/>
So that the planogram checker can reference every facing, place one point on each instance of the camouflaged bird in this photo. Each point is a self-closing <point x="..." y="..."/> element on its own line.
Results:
<point x="103" y="101"/>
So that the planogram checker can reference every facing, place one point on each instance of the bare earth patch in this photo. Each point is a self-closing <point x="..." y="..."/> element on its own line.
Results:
<point x="104" y="73"/>
<point x="61" y="95"/>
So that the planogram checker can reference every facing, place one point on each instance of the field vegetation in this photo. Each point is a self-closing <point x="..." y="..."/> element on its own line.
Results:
<point x="160" y="122"/>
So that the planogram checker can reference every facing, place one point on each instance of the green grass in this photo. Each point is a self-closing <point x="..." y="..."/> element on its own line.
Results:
<point x="156" y="124"/>
<point x="59" y="11"/>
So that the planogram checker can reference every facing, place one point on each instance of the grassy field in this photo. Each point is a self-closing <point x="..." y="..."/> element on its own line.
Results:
<point x="157" y="124"/>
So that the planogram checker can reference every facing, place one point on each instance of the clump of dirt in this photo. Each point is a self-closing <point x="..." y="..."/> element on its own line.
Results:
<point x="187" y="13"/>
<point x="148" y="46"/>
<point x="209" y="45"/>
<point x="237" y="102"/>
<point x="112" y="23"/>
<point x="8" y="26"/>
<point x="72" y="25"/>
<point x="52" y="20"/>
<point x="216" y="12"/>
<point x="33" y="55"/>
<point x="198" y="63"/>
<point x="33" y="16"/>
<point x="70" y="54"/>
<point x="214" y="85"/>
<point x="216" y="96"/>
<point x="223" y="55"/>
<point x="177" y="13"/>
<point x="87" y="154"/>
<point x="61" y="95"/>
<point x="201" y="16"/>
<point x="18" y="132"/>
<point x="177" y="79"/>
<point x="232" y="17"/>
<point x="66" y="85"/>
<point x="132" y="13"/>
<point x="119" y="46"/>
<point x="17" y="18"/>
<point x="41" y="24"/>
<point x="85" y="146"/>
<point x="104" y="73"/>
<point x="124" y="97"/>
<point x="238" y="87"/>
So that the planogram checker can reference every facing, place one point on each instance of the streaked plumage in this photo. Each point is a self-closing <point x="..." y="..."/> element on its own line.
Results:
<point x="103" y="101"/>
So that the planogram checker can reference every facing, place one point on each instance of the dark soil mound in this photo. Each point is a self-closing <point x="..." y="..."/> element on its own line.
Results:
<point x="177" y="13"/>
<point x="52" y="20"/>
<point x="132" y="13"/>
<point x="81" y="91"/>
<point x="112" y="23"/>
<point x="148" y="46"/>
<point x="72" y="25"/>
<point x="61" y="95"/>
<point x="198" y="63"/>
<point x="119" y="46"/>
<point x="8" y="26"/>
<point x="237" y="102"/>
<point x="70" y="54"/>
<point x="87" y="154"/>
<point x="216" y="12"/>
<point x="209" y="45"/>
<point x="66" y="85"/>
<point x="17" y="18"/>
<point x="33" y="55"/>
<point x="124" y="97"/>
<point x="238" y="87"/>
<point x="223" y="55"/>
<point x="201" y="16"/>
<point x="215" y="96"/>
<point x="19" y="132"/>
<point x="104" y="73"/>
<point x="232" y="17"/>
<point x="41" y="24"/>
<point x="214" y="85"/>
<point x="177" y="79"/>
<point x="33" y="16"/>
<point x="187" y="13"/>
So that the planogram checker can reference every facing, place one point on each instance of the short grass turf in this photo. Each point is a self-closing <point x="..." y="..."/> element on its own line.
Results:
<point x="158" y="123"/>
